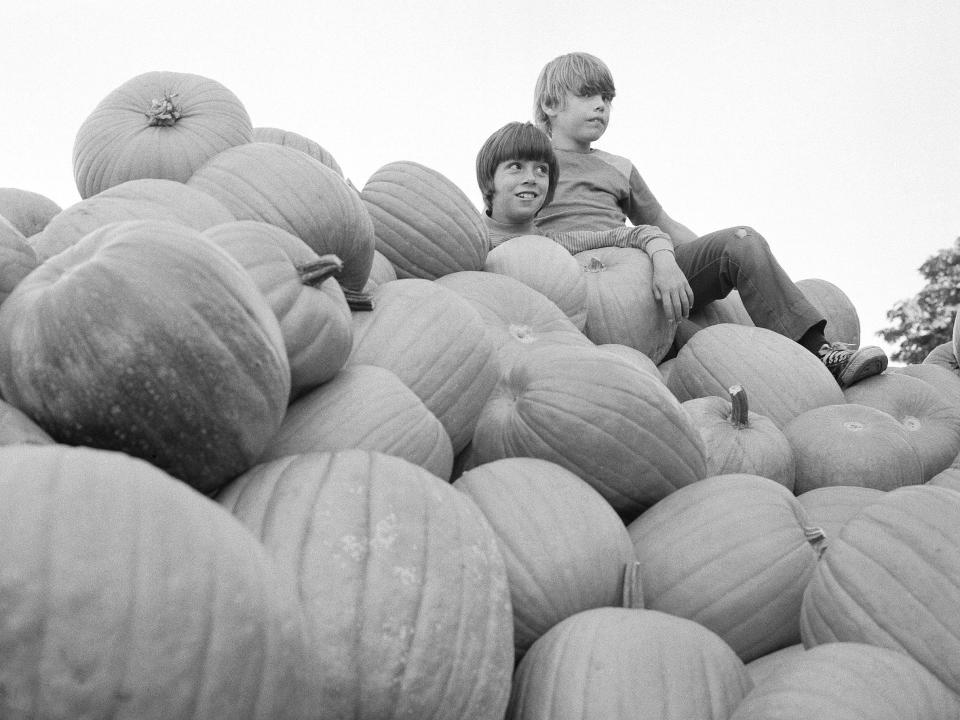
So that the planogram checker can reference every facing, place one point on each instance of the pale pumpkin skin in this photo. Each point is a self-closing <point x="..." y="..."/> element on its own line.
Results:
<point x="424" y="224"/>
<point x="144" y="337"/>
<point x="127" y="595"/>
<point x="831" y="506"/>
<point x="17" y="258"/>
<point x="623" y="663"/>
<point x="28" y="211"/>
<point x="297" y="142"/>
<point x="158" y="124"/>
<point x="889" y="579"/>
<point x="843" y="322"/>
<point x="401" y="580"/>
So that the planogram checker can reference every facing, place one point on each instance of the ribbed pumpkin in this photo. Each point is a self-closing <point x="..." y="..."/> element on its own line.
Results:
<point x="738" y="440"/>
<point x="297" y="142"/>
<point x="401" y="580"/>
<point x="369" y="408"/>
<point x="17" y="258"/>
<point x="548" y="268"/>
<point x="517" y="317"/>
<point x="620" y="664"/>
<point x="128" y="595"/>
<point x="146" y="199"/>
<point x="944" y="356"/>
<point x="424" y="223"/>
<point x="765" y="665"/>
<point x="781" y="377"/>
<point x="634" y="357"/>
<point x="890" y="579"/>
<point x="610" y="423"/>
<point x="728" y="309"/>
<point x="931" y="420"/>
<point x="565" y="548"/>
<point x="843" y="322"/>
<point x="144" y="337"/>
<point x="733" y="553"/>
<point x="851" y="444"/>
<point x="381" y="271"/>
<point x="158" y="124"/>
<point x="829" y="507"/>
<point x="620" y="303"/>
<point x="436" y="343"/>
<point x="28" y="211"/>
<point x="849" y="681"/>
<point x="949" y="478"/>
<point x="303" y="293"/>
<point x="287" y="188"/>
<point x="945" y="381"/>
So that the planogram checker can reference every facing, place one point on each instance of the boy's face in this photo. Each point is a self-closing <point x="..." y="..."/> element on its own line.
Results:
<point x="578" y="121"/>
<point x="519" y="189"/>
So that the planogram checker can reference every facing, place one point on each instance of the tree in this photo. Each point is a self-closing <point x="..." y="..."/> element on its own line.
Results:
<point x="925" y="321"/>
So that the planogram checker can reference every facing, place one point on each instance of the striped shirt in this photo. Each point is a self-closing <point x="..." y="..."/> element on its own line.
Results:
<point x="648" y="238"/>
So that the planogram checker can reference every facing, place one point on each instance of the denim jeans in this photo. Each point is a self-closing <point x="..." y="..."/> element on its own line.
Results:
<point x="740" y="258"/>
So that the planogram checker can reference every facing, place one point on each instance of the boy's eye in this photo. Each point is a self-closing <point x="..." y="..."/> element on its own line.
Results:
<point x="543" y="170"/>
<point x="513" y="165"/>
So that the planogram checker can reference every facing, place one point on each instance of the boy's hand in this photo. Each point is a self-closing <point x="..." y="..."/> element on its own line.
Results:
<point x="670" y="286"/>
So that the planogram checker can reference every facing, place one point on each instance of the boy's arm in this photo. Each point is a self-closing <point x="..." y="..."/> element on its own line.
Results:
<point x="678" y="232"/>
<point x="642" y="237"/>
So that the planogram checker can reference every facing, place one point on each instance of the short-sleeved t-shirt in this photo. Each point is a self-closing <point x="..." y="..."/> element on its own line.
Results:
<point x="597" y="191"/>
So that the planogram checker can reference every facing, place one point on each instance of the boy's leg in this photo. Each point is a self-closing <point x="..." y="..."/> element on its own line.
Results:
<point x="740" y="258"/>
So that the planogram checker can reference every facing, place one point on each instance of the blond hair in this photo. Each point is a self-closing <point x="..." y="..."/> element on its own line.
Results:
<point x="580" y="73"/>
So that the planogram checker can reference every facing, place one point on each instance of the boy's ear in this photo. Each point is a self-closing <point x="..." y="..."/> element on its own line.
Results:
<point x="549" y="109"/>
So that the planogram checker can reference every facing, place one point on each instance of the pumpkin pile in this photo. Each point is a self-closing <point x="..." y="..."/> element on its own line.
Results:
<point x="273" y="446"/>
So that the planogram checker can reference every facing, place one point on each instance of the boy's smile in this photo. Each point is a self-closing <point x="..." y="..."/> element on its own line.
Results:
<point x="579" y="121"/>
<point x="519" y="189"/>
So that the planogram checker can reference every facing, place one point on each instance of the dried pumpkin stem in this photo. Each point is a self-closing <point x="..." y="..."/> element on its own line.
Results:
<point x="165" y="111"/>
<point x="316" y="271"/>
<point x="816" y="537"/>
<point x="632" y="596"/>
<point x="740" y="416"/>
<point x="358" y="300"/>
<point x="595" y="265"/>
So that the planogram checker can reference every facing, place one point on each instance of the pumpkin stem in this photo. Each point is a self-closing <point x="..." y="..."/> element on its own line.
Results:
<point x="595" y="265"/>
<point x="358" y="300"/>
<point x="165" y="111"/>
<point x="316" y="271"/>
<point x="817" y="538"/>
<point x="632" y="595"/>
<point x="740" y="416"/>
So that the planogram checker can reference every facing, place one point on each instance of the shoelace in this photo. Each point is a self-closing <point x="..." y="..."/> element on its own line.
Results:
<point x="838" y="352"/>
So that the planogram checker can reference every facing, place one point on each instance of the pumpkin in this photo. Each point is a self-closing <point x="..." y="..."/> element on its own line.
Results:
<point x="297" y="142"/>
<point x="28" y="211"/>
<point x="848" y="681"/>
<point x="619" y="663"/>
<point x="17" y="258"/>
<point x="381" y="271"/>
<point x="424" y="224"/>
<point x="158" y="124"/>
<point x="601" y="417"/>
<point x="565" y="548"/>
<point x="829" y="507"/>
<point x="144" y="337"/>
<point x="620" y="304"/>
<point x="738" y="440"/>
<point x="548" y="268"/>
<point x="634" y="356"/>
<point x="401" y="580"/>
<point x="365" y="407"/>
<point x="765" y="665"/>
<point x="729" y="309"/>
<point x="889" y="579"/>
<point x="517" y="317"/>
<point x="944" y="356"/>
<point x="843" y="322"/>
<point x="303" y="293"/>
<point x="128" y="595"/>
<point x="945" y="381"/>
<point x="932" y="422"/>
<point x="852" y="444"/>
<point x="782" y="378"/>
<point x="733" y="553"/>
<point x="436" y="343"/>
<point x="147" y="199"/>
<point x="17" y="428"/>
<point x="287" y="188"/>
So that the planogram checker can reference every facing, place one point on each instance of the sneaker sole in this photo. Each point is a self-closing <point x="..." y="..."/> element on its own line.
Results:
<point x="863" y="367"/>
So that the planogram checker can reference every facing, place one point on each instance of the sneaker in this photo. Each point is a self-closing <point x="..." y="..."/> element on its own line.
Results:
<point x="851" y="366"/>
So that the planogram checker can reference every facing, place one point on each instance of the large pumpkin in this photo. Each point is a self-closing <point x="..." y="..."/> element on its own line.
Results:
<point x="17" y="258"/>
<point x="28" y="211"/>
<point x="620" y="664"/>
<point x="297" y="142"/>
<point x="620" y="304"/>
<point x="565" y="548"/>
<point x="732" y="552"/>
<point x="424" y="224"/>
<point x="147" y="199"/>
<point x="144" y="337"/>
<point x="829" y="507"/>
<point x="782" y="378"/>
<point x="401" y="580"/>
<point x="843" y="322"/>
<point x="601" y="417"/>
<point x="128" y="595"/>
<point x="157" y="125"/>
<point x="890" y="579"/>
<point x="288" y="188"/>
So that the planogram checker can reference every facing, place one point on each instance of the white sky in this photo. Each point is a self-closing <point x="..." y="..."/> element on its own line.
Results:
<point x="831" y="126"/>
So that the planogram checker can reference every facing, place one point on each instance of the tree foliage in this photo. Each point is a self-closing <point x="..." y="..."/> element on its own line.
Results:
<point x="921" y="323"/>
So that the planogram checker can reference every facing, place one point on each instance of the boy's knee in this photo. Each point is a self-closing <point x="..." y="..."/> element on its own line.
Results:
<point x="748" y="242"/>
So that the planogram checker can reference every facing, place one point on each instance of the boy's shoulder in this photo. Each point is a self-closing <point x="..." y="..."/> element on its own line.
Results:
<point x="623" y="166"/>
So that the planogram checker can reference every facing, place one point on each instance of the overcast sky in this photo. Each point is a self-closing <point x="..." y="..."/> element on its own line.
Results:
<point x="831" y="126"/>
